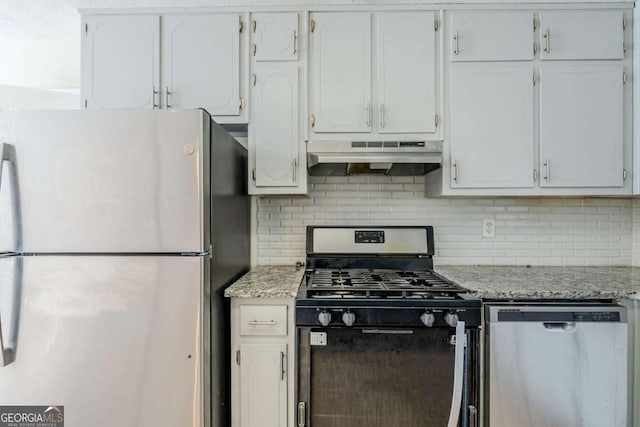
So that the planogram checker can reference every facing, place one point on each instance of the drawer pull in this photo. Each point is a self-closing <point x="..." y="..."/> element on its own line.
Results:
<point x="262" y="322"/>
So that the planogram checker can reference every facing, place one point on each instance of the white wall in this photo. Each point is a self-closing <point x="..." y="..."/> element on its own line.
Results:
<point x="42" y="64"/>
<point x="24" y="98"/>
<point x="536" y="231"/>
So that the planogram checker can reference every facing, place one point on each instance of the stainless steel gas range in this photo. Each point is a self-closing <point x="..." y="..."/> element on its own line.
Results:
<point x="383" y="341"/>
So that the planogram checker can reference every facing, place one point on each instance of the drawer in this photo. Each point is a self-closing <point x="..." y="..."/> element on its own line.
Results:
<point x="263" y="320"/>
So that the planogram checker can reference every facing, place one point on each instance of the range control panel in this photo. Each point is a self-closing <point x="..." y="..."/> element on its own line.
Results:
<point x="369" y="236"/>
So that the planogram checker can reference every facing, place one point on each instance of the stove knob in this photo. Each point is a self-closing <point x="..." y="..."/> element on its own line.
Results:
<point x="348" y="318"/>
<point x="451" y="318"/>
<point x="428" y="318"/>
<point x="324" y="318"/>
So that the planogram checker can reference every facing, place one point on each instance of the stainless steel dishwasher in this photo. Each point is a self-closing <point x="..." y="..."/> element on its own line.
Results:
<point x="556" y="366"/>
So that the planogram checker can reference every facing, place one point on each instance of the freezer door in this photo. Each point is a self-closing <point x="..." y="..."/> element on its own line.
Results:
<point x="110" y="181"/>
<point x="116" y="340"/>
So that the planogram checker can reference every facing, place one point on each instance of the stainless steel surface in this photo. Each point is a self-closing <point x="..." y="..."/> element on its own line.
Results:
<point x="10" y="205"/>
<point x="111" y="181"/>
<point x="557" y="366"/>
<point x="10" y="299"/>
<point x="397" y="241"/>
<point x="458" y="375"/>
<point x="99" y="333"/>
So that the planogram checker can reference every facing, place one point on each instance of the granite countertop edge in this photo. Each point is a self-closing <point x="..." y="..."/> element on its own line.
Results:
<point x="267" y="281"/>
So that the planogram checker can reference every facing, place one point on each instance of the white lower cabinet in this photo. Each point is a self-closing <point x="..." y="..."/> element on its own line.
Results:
<point x="262" y="345"/>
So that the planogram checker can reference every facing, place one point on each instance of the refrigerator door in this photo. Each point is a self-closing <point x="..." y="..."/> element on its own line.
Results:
<point x="117" y="340"/>
<point x="110" y="181"/>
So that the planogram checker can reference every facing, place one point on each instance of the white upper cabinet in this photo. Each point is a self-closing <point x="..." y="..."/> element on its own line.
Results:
<point x="406" y="68"/>
<point x="581" y="141"/>
<point x="492" y="128"/>
<point x="275" y="126"/>
<point x="491" y="36"/>
<point x="275" y="36"/>
<point x="120" y="61"/>
<point x="341" y="71"/>
<point x="581" y="35"/>
<point x="201" y="62"/>
<point x="168" y="61"/>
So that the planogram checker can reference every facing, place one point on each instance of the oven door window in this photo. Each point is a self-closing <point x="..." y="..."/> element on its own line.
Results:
<point x="378" y="378"/>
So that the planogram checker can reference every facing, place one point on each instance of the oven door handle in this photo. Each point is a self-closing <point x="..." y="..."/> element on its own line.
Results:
<point x="458" y="375"/>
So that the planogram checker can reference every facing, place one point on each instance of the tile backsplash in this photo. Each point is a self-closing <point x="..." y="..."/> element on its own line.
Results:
<point x="529" y="230"/>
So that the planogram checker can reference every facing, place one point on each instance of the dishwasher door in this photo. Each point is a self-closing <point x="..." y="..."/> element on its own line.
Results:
<point x="557" y="366"/>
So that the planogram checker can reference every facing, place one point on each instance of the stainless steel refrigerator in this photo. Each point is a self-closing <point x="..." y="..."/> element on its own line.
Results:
<point x="119" y="231"/>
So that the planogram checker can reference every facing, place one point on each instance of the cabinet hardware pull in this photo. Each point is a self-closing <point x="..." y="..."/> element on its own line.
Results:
<point x="624" y="23"/>
<point x="262" y="322"/>
<point x="369" y="114"/>
<point x="240" y="24"/>
<point x="294" y="168"/>
<point x="302" y="414"/>
<point x="437" y="120"/>
<point x="535" y="175"/>
<point x="436" y="24"/>
<point x="166" y="97"/>
<point x="254" y="26"/>
<point x="535" y="79"/>
<point x="312" y="24"/>
<point x="547" y="43"/>
<point x="456" y="49"/>
<point x="312" y="120"/>
<point x="155" y="92"/>
<point x="455" y="172"/>
<point x="254" y="49"/>
<point x="241" y="103"/>
<point x="295" y="42"/>
<point x="254" y="79"/>
<point x="381" y="115"/>
<point x="86" y="102"/>
<point x="535" y="48"/>
<point x="253" y="174"/>
<point x="547" y="166"/>
<point x="473" y="416"/>
<point x="282" y="370"/>
<point x="535" y="24"/>
<point x="238" y="357"/>
<point x="624" y="77"/>
<point x="624" y="174"/>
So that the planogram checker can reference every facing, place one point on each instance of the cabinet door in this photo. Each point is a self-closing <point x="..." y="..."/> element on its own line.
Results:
<point x="275" y="36"/>
<point x="406" y="72"/>
<point x="201" y="62"/>
<point x="581" y="122"/>
<point x="274" y="135"/>
<point x="341" y="72"/>
<point x="263" y="385"/>
<point x="121" y="62"/>
<point x="581" y="35"/>
<point x="491" y="36"/>
<point x="492" y="136"/>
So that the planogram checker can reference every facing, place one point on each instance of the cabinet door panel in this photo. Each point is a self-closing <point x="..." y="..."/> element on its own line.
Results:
<point x="274" y="132"/>
<point x="201" y="62"/>
<point x="581" y="122"/>
<point x="581" y="35"/>
<point x="121" y="61"/>
<point x="491" y="36"/>
<point x="263" y="385"/>
<point x="341" y="72"/>
<point x="492" y="137"/>
<point x="406" y="72"/>
<point x="276" y="36"/>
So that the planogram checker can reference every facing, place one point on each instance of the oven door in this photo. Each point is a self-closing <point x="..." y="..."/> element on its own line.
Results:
<point x="359" y="377"/>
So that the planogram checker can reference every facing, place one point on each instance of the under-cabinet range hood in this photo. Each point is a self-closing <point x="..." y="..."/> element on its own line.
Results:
<point x="373" y="157"/>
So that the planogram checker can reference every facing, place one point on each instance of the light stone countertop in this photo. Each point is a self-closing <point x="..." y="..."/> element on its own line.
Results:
<point x="267" y="281"/>
<point x="539" y="282"/>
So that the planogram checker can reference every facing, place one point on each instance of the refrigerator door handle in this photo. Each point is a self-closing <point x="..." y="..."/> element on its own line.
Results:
<point x="8" y="354"/>
<point x="8" y="154"/>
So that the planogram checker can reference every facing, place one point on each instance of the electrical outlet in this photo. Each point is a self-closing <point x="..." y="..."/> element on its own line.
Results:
<point x="488" y="228"/>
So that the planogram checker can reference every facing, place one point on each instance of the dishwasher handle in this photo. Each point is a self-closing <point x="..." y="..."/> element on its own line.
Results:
<point x="560" y="326"/>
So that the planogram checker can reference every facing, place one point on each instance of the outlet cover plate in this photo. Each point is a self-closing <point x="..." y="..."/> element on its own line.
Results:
<point x="489" y="228"/>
